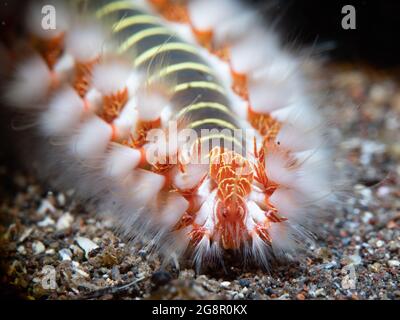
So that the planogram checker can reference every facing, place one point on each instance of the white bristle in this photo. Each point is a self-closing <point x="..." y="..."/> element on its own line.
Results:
<point x="92" y="139"/>
<point x="296" y="139"/>
<point x="314" y="182"/>
<point x="150" y="104"/>
<point x="64" y="112"/>
<point x="121" y="160"/>
<point x="277" y="169"/>
<point x="206" y="209"/>
<point x="94" y="99"/>
<point x="253" y="51"/>
<point x="145" y="186"/>
<point x="234" y="29"/>
<point x="288" y="204"/>
<point x="190" y="178"/>
<point x="127" y="120"/>
<point x="174" y="208"/>
<point x="64" y="66"/>
<point x="228" y="20"/>
<point x="110" y="77"/>
<point x="283" y="239"/>
<point x="134" y="82"/>
<point x="85" y="42"/>
<point x="269" y="96"/>
<point x="31" y="83"/>
<point x="255" y="212"/>
<point x="300" y="113"/>
<point x="205" y="15"/>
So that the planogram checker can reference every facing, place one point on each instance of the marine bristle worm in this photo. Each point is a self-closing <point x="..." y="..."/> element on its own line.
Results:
<point x="186" y="121"/>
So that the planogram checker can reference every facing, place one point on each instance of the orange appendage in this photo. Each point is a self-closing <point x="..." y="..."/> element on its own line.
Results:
<point x="262" y="231"/>
<point x="186" y="220"/>
<point x="260" y="171"/>
<point x="138" y="139"/>
<point x="175" y="11"/>
<point x="265" y="124"/>
<point x="49" y="49"/>
<point x="197" y="233"/>
<point x="113" y="104"/>
<point x="83" y="76"/>
<point x="233" y="175"/>
<point x="162" y="167"/>
<point x="240" y="85"/>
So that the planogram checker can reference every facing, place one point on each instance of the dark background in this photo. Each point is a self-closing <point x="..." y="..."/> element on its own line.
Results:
<point x="376" y="39"/>
<point x="315" y="23"/>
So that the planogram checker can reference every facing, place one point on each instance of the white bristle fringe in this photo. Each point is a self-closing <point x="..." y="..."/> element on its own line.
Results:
<point x="229" y="20"/>
<point x="30" y="85"/>
<point x="143" y="187"/>
<point x="174" y="208"/>
<point x="92" y="139"/>
<point x="278" y="169"/>
<point x="295" y="139"/>
<point x="85" y="41"/>
<point x="249" y="54"/>
<point x="63" y="114"/>
<point x="127" y="121"/>
<point x="110" y="77"/>
<point x="206" y="15"/>
<point x="121" y="161"/>
<point x="190" y="178"/>
<point x="150" y="104"/>
<point x="64" y="67"/>
<point x="94" y="99"/>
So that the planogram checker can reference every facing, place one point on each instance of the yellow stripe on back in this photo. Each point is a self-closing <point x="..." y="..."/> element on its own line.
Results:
<point x="165" y="47"/>
<point x="203" y="105"/>
<point x="198" y="85"/>
<point x="132" y="40"/>
<point x="221" y="136"/>
<point x="215" y="121"/>
<point x="113" y="7"/>
<point x="180" y="67"/>
<point x="131" y="21"/>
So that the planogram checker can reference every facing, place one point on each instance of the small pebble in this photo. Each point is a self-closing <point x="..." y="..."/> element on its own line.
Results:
<point x="225" y="284"/>
<point x="25" y="234"/>
<point x="393" y="263"/>
<point x="300" y="296"/>
<point x="21" y="249"/>
<point x="65" y="254"/>
<point x="38" y="247"/>
<point x="115" y="274"/>
<point x="161" y="277"/>
<point x="380" y="244"/>
<point x="244" y="282"/>
<point x="320" y="292"/>
<point x="46" y="206"/>
<point x="61" y="199"/>
<point x="46" y="222"/>
<point x="65" y="221"/>
<point x="86" y="244"/>
<point x="367" y="216"/>
<point x="50" y="251"/>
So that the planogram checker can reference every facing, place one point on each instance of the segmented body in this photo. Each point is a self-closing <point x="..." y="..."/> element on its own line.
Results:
<point x="250" y="194"/>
